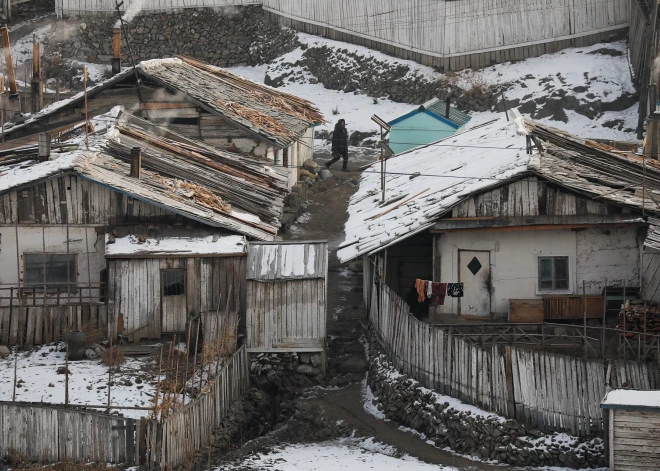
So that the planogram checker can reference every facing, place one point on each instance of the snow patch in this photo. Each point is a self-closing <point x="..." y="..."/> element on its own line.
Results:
<point x="210" y="245"/>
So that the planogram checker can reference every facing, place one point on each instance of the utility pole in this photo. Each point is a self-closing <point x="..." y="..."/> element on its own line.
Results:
<point x="646" y="78"/>
<point x="385" y="151"/>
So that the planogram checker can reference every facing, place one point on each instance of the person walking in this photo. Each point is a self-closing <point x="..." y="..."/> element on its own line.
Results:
<point x="339" y="145"/>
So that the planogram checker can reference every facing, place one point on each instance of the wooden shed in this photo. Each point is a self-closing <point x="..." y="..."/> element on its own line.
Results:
<point x="156" y="286"/>
<point x="633" y="419"/>
<point x="286" y="296"/>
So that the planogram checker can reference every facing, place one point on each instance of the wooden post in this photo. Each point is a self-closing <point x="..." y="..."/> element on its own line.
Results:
<point x="195" y="360"/>
<point x="35" y="85"/>
<point x="116" y="51"/>
<point x="602" y="327"/>
<point x="624" y="321"/>
<point x="109" y="386"/>
<point x="584" y="306"/>
<point x="15" y="374"/>
<point x="646" y="73"/>
<point x="86" y="111"/>
<point x="160" y="373"/>
<point x="66" y="374"/>
<point x="11" y="72"/>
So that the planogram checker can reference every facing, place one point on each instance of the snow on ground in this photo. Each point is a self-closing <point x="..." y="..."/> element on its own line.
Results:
<point x="39" y="381"/>
<point x="357" y="110"/>
<point x="345" y="454"/>
<point x="22" y="49"/>
<point x="597" y="75"/>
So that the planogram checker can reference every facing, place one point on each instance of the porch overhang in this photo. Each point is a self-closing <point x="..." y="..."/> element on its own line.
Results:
<point x="538" y="223"/>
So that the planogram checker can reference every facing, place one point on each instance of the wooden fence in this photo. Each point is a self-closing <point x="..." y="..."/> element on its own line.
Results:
<point x="452" y="35"/>
<point x="550" y="391"/>
<point x="34" y="325"/>
<point x="189" y="430"/>
<point x="48" y="433"/>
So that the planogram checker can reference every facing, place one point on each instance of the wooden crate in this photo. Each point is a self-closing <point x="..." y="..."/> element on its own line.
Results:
<point x="572" y="307"/>
<point x="525" y="310"/>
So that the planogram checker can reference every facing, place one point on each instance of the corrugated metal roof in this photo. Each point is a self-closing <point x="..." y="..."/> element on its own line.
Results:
<point x="439" y="108"/>
<point x="287" y="261"/>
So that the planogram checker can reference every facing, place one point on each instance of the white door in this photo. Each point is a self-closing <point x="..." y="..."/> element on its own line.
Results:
<point x="474" y="273"/>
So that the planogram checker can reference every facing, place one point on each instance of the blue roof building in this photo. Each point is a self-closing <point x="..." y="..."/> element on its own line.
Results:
<point x="430" y="122"/>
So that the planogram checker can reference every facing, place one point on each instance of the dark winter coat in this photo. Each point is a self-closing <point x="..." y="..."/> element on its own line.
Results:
<point x="340" y="140"/>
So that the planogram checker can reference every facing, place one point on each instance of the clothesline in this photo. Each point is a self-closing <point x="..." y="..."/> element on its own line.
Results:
<point x="437" y="291"/>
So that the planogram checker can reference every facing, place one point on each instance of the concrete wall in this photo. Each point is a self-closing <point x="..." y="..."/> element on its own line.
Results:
<point x="83" y="241"/>
<point x="595" y="255"/>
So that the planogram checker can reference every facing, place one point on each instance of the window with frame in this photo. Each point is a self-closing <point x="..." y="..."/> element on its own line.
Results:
<point x="50" y="271"/>
<point x="553" y="273"/>
<point x="174" y="282"/>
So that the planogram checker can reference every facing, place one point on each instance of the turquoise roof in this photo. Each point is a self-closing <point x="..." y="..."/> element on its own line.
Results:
<point x="437" y="109"/>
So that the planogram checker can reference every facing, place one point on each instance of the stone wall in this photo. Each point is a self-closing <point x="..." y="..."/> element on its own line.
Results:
<point x="224" y="37"/>
<point x="286" y="372"/>
<point x="460" y="427"/>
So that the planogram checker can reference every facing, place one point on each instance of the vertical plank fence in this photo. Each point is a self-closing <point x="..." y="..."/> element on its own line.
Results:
<point x="549" y="391"/>
<point x="48" y="433"/>
<point x="189" y="430"/>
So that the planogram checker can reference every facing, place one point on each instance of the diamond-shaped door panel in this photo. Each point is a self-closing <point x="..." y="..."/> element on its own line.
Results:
<point x="474" y="266"/>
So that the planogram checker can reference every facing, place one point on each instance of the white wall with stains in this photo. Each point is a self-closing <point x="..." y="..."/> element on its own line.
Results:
<point x="83" y="241"/>
<point x="595" y="255"/>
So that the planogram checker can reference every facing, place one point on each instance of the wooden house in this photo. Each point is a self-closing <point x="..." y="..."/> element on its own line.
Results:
<point x="430" y="122"/>
<point x="633" y="426"/>
<point x="197" y="101"/>
<point x="531" y="220"/>
<point x="287" y="297"/>
<point x="68" y="219"/>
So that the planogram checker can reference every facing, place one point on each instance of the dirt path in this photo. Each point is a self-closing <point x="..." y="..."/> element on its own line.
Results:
<point x="324" y="219"/>
<point x="346" y="404"/>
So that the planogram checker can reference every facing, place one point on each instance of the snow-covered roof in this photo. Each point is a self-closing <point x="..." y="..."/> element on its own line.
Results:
<point x="265" y="112"/>
<point x="137" y="246"/>
<point x="631" y="398"/>
<point x="438" y="109"/>
<point x="449" y="171"/>
<point x="197" y="181"/>
<point x="424" y="184"/>
<point x="282" y="261"/>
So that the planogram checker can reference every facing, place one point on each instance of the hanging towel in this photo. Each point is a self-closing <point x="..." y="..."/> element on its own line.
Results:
<point x="420" y="286"/>
<point x="455" y="290"/>
<point x="429" y="289"/>
<point x="438" y="291"/>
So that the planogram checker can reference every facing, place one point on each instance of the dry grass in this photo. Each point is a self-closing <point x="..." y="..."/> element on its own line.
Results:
<point x="20" y="462"/>
<point x="92" y="333"/>
<point x="223" y="346"/>
<point x="113" y="357"/>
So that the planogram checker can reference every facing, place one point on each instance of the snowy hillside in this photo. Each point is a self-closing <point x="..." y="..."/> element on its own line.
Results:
<point x="587" y="91"/>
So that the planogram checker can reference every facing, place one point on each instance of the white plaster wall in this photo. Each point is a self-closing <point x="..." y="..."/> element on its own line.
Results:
<point x="83" y="241"/>
<point x="594" y="255"/>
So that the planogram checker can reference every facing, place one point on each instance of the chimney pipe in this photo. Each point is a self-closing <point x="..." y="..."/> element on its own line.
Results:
<point x="44" y="147"/>
<point x="136" y="162"/>
<point x="35" y="85"/>
<point x="447" y="108"/>
<point x="116" y="51"/>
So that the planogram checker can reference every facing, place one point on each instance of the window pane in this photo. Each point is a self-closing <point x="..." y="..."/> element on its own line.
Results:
<point x="51" y="270"/>
<point x="561" y="272"/>
<point x="173" y="283"/>
<point x="545" y="273"/>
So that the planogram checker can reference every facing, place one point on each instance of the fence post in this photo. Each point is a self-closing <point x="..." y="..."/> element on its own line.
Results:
<point x="509" y="382"/>
<point x="602" y="327"/>
<point x="584" y="306"/>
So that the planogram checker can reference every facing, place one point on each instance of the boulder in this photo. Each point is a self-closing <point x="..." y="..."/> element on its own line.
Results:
<point x="4" y="350"/>
<point x="325" y="174"/>
<point x="311" y="166"/>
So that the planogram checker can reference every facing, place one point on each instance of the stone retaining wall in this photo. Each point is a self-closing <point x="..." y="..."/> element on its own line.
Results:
<point x="461" y="428"/>
<point x="224" y="37"/>
<point x="285" y="372"/>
